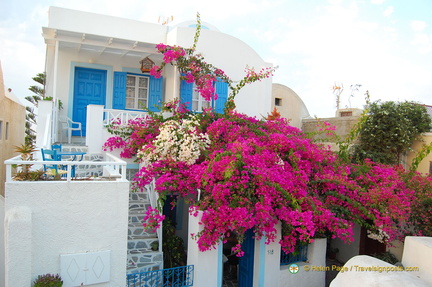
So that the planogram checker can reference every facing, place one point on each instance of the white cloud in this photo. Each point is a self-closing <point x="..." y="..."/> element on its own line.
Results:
<point x="388" y="11"/>
<point x="418" y="26"/>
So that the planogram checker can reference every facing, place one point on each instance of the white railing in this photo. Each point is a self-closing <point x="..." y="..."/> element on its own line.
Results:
<point x="113" y="167"/>
<point x="153" y="198"/>
<point x="122" y="116"/>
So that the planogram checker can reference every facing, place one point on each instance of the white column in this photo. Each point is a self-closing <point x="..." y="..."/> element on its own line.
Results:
<point x="43" y="128"/>
<point x="267" y="261"/>
<point x="208" y="264"/>
<point x="94" y="133"/>
<point x="18" y="242"/>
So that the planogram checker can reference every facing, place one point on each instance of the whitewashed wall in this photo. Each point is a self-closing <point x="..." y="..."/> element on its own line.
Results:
<point x="232" y="56"/>
<point x="307" y="277"/>
<point x="418" y="253"/>
<point x="47" y="219"/>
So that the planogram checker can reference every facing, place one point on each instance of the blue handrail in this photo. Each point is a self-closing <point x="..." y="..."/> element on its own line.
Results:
<point x="297" y="256"/>
<point x="173" y="277"/>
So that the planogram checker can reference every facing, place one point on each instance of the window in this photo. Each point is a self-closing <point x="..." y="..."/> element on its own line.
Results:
<point x="7" y="131"/>
<point x="194" y="102"/>
<point x="137" y="88"/>
<point x="346" y="114"/>
<point x="430" y="168"/>
<point x="278" y="102"/>
<point x="1" y="130"/>
<point x="297" y="256"/>
<point x="138" y="91"/>
<point x="198" y="102"/>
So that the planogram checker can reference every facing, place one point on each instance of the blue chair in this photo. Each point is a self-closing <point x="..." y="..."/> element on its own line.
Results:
<point x="51" y="155"/>
<point x="57" y="147"/>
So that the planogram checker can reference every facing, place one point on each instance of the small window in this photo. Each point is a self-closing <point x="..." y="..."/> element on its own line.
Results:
<point x="198" y="102"/>
<point x="346" y="114"/>
<point x="430" y="168"/>
<point x="278" y="102"/>
<point x="299" y="255"/>
<point x="7" y="131"/>
<point x="137" y="88"/>
<point x="1" y="130"/>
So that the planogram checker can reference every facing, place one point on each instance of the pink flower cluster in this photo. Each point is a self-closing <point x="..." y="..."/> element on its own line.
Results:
<point x="257" y="173"/>
<point x="152" y="219"/>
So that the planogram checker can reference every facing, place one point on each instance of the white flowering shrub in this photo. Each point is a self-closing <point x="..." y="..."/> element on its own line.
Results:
<point x="178" y="140"/>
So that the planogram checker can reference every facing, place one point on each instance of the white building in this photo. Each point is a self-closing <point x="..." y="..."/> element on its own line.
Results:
<point x="93" y="70"/>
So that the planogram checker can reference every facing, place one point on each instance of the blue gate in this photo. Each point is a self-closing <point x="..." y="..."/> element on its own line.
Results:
<point x="173" y="277"/>
<point x="246" y="263"/>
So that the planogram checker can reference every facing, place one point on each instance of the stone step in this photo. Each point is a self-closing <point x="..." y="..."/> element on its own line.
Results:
<point x="138" y="196"/>
<point x="141" y="261"/>
<point x="138" y="232"/>
<point x="143" y="244"/>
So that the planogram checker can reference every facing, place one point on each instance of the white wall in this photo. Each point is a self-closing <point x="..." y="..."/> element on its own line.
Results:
<point x="232" y="56"/>
<point x="307" y="276"/>
<point x="53" y="218"/>
<point x="418" y="253"/>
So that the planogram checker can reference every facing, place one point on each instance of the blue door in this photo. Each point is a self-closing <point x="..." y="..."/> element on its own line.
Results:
<point x="246" y="264"/>
<point x="89" y="88"/>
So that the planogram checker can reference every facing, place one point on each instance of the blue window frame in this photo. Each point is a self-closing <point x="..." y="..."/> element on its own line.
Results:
<point x="195" y="103"/>
<point x="297" y="256"/>
<point x="136" y="90"/>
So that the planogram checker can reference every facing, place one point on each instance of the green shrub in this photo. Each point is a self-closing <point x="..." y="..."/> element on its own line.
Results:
<point x="48" y="280"/>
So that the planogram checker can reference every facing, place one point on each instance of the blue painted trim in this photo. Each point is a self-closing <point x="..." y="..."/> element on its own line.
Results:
<point x="262" y="259"/>
<point x="109" y="83"/>
<point x="220" y="265"/>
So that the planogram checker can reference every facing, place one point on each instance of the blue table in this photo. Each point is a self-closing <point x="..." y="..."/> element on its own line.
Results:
<point x="73" y="154"/>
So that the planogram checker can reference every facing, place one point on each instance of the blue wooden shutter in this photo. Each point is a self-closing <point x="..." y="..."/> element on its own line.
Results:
<point x="155" y="94"/>
<point x="119" y="92"/>
<point x="186" y="90"/>
<point x="222" y="92"/>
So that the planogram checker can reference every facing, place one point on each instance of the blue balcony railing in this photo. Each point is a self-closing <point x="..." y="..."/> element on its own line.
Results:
<point x="296" y="256"/>
<point x="172" y="277"/>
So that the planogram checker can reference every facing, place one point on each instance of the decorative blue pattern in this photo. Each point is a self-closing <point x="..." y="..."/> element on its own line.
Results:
<point x="297" y="256"/>
<point x="173" y="277"/>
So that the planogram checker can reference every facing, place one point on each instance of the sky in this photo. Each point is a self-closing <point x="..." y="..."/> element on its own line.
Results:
<point x="383" y="45"/>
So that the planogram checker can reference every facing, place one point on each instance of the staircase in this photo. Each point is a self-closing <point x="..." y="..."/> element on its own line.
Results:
<point x="141" y="257"/>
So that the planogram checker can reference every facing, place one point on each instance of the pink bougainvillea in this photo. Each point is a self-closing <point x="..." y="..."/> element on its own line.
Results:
<point x="245" y="173"/>
<point x="256" y="173"/>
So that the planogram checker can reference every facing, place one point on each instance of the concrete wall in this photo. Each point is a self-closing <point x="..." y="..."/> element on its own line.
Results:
<point x="291" y="106"/>
<point x="232" y="56"/>
<point x="425" y="164"/>
<point x="307" y="276"/>
<point x="343" y="127"/>
<point x="47" y="219"/>
<point x="12" y="115"/>
<point x="418" y="253"/>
